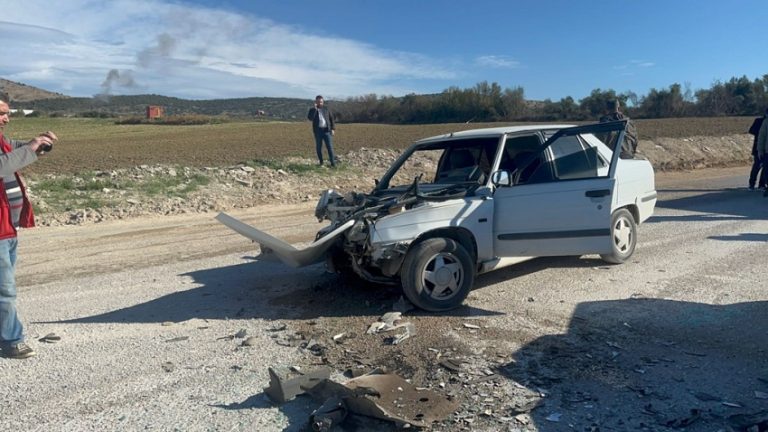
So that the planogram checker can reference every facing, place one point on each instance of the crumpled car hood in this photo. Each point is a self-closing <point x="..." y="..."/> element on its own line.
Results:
<point x="285" y="252"/>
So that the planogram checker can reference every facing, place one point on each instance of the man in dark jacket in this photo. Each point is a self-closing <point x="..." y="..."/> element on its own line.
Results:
<point x="15" y="212"/>
<point x="613" y="113"/>
<point x="757" y="162"/>
<point x="324" y="128"/>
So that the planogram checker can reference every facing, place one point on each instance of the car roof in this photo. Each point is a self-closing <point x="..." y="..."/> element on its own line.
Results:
<point x="496" y="131"/>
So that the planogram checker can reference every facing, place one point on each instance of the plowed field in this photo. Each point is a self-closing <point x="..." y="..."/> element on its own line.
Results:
<point x="98" y="144"/>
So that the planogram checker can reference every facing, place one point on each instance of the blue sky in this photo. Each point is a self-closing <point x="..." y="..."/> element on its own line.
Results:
<point x="203" y="49"/>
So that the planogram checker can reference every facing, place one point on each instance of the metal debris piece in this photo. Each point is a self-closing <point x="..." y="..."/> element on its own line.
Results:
<point x="375" y="327"/>
<point x="284" y="384"/>
<point x="241" y="333"/>
<point x="471" y="326"/>
<point x="732" y="404"/>
<point x="451" y="364"/>
<point x="388" y="397"/>
<point x="332" y="412"/>
<point x="387" y="323"/>
<point x="410" y="330"/>
<point x="389" y="318"/>
<point x="178" y="339"/>
<point x="50" y="338"/>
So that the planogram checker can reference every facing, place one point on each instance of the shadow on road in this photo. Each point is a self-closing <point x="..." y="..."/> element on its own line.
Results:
<point x="650" y="364"/>
<point x="757" y="237"/>
<point x="724" y="204"/>
<point x="266" y="290"/>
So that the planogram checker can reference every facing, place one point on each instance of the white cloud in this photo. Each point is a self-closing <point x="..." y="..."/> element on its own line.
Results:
<point x="634" y="65"/>
<point x="193" y="51"/>
<point x="497" y="61"/>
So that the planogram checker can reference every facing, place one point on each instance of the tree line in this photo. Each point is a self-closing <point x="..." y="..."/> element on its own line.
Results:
<point x="490" y="103"/>
<point x="485" y="102"/>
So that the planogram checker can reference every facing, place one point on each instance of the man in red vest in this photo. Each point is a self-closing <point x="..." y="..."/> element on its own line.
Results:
<point x="15" y="212"/>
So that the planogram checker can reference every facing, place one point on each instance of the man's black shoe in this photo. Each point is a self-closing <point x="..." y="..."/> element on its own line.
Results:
<point x="19" y="351"/>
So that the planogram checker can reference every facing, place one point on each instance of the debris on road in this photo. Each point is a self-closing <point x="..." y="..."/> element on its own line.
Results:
<point x="410" y="330"/>
<point x="50" y="338"/>
<point x="331" y="413"/>
<point x="178" y="339"/>
<point x="168" y="366"/>
<point x="387" y="323"/>
<point x="285" y="383"/>
<point x="388" y="397"/>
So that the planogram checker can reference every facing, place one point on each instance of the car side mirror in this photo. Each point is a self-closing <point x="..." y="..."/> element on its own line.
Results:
<point x="501" y="178"/>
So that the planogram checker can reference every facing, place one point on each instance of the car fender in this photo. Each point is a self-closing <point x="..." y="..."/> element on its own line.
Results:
<point x="472" y="214"/>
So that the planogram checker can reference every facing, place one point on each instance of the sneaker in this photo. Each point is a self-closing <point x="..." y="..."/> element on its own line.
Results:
<point x="19" y="351"/>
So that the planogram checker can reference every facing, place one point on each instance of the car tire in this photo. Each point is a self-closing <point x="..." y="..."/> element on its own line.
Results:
<point x="623" y="237"/>
<point x="437" y="274"/>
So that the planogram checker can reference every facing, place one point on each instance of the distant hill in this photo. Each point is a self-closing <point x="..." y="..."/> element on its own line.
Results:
<point x="280" y="108"/>
<point x="28" y="97"/>
<point x="19" y="92"/>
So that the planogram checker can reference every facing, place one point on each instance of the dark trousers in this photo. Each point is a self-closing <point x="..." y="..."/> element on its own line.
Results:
<point x="757" y="164"/>
<point x="326" y="136"/>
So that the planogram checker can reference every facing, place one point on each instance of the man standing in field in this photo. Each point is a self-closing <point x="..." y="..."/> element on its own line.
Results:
<point x="323" y="128"/>
<point x="15" y="212"/>
<point x="757" y="162"/>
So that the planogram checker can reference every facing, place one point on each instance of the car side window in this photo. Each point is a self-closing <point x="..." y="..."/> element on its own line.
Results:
<point x="572" y="159"/>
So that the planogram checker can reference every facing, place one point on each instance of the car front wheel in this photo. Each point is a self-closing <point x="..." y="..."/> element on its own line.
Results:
<point x="437" y="274"/>
<point x="623" y="237"/>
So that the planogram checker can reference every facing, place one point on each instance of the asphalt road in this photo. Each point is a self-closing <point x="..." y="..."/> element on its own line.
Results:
<point x="147" y="309"/>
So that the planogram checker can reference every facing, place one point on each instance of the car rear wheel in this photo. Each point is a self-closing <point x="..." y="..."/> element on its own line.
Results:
<point x="437" y="274"/>
<point x="623" y="237"/>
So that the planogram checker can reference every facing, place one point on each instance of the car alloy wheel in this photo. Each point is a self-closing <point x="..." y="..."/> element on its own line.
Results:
<point x="623" y="237"/>
<point x="437" y="274"/>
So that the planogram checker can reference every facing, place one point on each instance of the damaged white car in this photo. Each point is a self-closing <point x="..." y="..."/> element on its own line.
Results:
<point x="458" y="205"/>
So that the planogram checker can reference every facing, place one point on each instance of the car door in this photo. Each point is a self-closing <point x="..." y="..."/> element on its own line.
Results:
<point x="560" y="199"/>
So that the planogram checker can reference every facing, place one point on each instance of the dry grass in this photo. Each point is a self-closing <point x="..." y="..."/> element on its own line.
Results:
<point x="99" y="144"/>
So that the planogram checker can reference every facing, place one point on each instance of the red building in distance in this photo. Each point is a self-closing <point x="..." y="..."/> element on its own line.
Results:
<point x="154" y="111"/>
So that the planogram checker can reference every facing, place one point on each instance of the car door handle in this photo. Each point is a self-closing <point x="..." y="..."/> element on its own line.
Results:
<point x="597" y="193"/>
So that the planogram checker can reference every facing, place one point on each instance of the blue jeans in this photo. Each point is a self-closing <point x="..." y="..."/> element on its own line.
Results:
<point x="326" y="136"/>
<point x="11" y="330"/>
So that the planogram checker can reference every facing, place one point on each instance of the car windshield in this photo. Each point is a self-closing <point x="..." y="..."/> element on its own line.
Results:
<point x="447" y="162"/>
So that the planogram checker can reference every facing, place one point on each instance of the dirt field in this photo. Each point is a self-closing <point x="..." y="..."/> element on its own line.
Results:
<point x="97" y="144"/>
